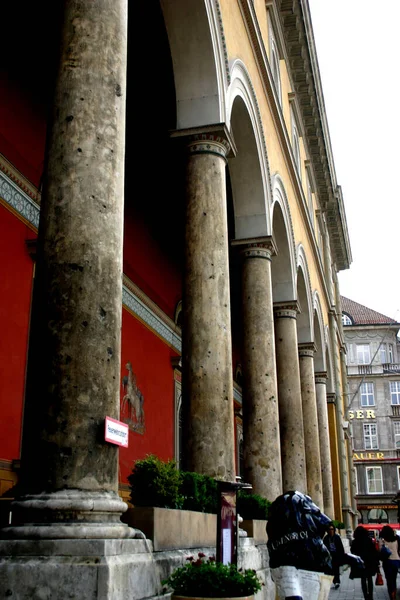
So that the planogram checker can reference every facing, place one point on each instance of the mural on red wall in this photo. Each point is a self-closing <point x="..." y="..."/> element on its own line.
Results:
<point x="132" y="411"/>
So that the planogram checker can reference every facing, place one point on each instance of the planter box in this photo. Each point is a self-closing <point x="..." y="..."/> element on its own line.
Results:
<point x="256" y="529"/>
<point x="170" y="529"/>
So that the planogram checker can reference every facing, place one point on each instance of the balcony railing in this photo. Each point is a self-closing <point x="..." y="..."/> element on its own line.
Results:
<point x="395" y="410"/>
<point x="375" y="369"/>
<point x="391" y="368"/>
<point x="364" y="369"/>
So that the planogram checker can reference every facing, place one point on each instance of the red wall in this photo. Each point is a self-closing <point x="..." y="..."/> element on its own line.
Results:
<point x="16" y="272"/>
<point x="146" y="265"/>
<point x="22" y="131"/>
<point x="151" y="362"/>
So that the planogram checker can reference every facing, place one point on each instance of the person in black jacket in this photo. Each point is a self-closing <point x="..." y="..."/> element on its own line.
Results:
<point x="363" y="546"/>
<point x="333" y="542"/>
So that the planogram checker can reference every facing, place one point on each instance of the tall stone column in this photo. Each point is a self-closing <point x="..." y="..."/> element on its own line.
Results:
<point x="310" y="423"/>
<point x="324" y="443"/>
<point x="207" y="345"/>
<point x="262" y="458"/>
<point x="69" y="476"/>
<point x="289" y="396"/>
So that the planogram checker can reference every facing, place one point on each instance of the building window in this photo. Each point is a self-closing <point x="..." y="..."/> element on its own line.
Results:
<point x="390" y="346"/>
<point x="363" y="354"/>
<point x="395" y="392"/>
<point x="296" y="147"/>
<point x="370" y="436"/>
<point x="367" y="394"/>
<point x="396" y="428"/>
<point x="378" y="515"/>
<point x="274" y="62"/>
<point x="311" y="204"/>
<point x="382" y="351"/>
<point x="374" y="480"/>
<point x="346" y="319"/>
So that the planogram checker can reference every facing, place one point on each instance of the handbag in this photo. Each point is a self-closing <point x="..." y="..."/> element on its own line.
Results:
<point x="378" y="578"/>
<point x="385" y="552"/>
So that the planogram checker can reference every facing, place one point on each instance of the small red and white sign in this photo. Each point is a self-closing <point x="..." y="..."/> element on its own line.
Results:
<point x="116" y="432"/>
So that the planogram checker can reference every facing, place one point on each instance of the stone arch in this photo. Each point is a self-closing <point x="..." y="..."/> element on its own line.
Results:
<point x="330" y="383"/>
<point x="199" y="57"/>
<point x="305" y="318"/>
<point x="249" y="171"/>
<point x="319" y="335"/>
<point x="284" y="263"/>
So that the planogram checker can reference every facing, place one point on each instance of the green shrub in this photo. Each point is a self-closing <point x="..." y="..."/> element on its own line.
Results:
<point x="155" y="483"/>
<point x="208" y="579"/>
<point x="252" y="506"/>
<point x="338" y="524"/>
<point x="199" y="492"/>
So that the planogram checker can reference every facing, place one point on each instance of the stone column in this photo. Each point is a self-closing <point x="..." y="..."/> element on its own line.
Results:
<point x="324" y="444"/>
<point x="289" y="397"/>
<point x="343" y="465"/>
<point x="310" y="423"/>
<point x="207" y="347"/>
<point x="69" y="476"/>
<point x="262" y="458"/>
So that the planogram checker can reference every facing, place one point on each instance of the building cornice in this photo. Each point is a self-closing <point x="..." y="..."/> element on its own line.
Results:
<point x="304" y="72"/>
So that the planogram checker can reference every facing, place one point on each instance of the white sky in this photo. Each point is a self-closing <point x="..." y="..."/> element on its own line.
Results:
<point x="358" y="53"/>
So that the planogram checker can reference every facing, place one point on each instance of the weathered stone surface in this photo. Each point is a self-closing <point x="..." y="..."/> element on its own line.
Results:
<point x="262" y="459"/>
<point x="172" y="529"/>
<point x="207" y="346"/>
<point x="74" y="359"/>
<point x="310" y="420"/>
<point x="94" y="570"/>
<point x="324" y="444"/>
<point x="290" y="407"/>
<point x="256" y="529"/>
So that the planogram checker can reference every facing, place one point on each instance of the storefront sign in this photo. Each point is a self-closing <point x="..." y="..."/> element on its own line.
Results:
<point x="368" y="456"/>
<point x="360" y="414"/>
<point x="116" y="432"/>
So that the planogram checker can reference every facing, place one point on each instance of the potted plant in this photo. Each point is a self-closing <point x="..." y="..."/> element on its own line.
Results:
<point x="205" y="578"/>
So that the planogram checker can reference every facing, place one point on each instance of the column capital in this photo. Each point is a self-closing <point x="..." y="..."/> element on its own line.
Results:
<point x="331" y="398"/>
<point x="321" y="377"/>
<point x="307" y="349"/>
<point x="210" y="139"/>
<point x="286" y="310"/>
<point x="262" y="247"/>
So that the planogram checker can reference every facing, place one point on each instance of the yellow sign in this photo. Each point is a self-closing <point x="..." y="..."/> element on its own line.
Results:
<point x="359" y="414"/>
<point x="369" y="456"/>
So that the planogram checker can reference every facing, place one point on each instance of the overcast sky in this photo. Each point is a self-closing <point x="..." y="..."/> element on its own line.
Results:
<point x="358" y="53"/>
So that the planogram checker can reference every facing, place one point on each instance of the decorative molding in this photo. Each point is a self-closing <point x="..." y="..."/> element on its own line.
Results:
<point x="150" y="314"/>
<point x="264" y="247"/>
<point x="211" y="139"/>
<point x="288" y="310"/>
<point x="331" y="398"/>
<point x="237" y="393"/>
<point x="19" y="201"/>
<point x="307" y="349"/>
<point x="20" y="180"/>
<point x="222" y="40"/>
<point x="321" y="377"/>
<point x="240" y="73"/>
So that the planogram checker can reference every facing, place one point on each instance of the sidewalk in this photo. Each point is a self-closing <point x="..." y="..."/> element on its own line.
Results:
<point x="350" y="589"/>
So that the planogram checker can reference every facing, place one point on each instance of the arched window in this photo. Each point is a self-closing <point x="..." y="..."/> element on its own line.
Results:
<point x="346" y="320"/>
<point x="378" y="515"/>
<point x="276" y="74"/>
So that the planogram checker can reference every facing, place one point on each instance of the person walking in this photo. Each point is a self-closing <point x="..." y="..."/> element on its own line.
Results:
<point x="363" y="546"/>
<point x="333" y="542"/>
<point x="389" y="554"/>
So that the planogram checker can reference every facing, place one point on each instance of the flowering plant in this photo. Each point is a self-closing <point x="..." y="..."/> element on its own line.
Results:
<point x="205" y="578"/>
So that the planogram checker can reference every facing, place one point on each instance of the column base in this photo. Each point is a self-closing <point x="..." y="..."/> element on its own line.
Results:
<point x="68" y="514"/>
<point x="90" y="569"/>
